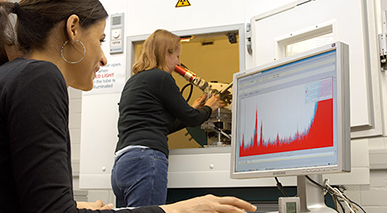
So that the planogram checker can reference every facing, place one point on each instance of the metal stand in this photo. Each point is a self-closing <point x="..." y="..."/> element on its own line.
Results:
<point x="312" y="196"/>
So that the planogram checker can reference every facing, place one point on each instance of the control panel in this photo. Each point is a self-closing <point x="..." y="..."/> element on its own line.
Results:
<point x="117" y="33"/>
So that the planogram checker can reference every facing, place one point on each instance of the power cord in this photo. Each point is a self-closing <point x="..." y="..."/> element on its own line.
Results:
<point x="189" y="84"/>
<point x="337" y="195"/>
<point x="334" y="195"/>
<point x="190" y="92"/>
<point x="280" y="187"/>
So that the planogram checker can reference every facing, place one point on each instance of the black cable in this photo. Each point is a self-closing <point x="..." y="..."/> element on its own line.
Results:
<point x="334" y="196"/>
<point x="185" y="67"/>
<point x="190" y="93"/>
<point x="354" y="203"/>
<point x="336" y="199"/>
<point x="315" y="183"/>
<point x="181" y="91"/>
<point x="335" y="203"/>
<point x="280" y="187"/>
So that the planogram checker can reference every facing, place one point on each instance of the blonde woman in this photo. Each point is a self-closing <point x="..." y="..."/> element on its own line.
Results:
<point x="151" y="107"/>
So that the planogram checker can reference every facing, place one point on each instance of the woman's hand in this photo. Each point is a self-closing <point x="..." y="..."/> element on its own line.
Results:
<point x="97" y="205"/>
<point x="210" y="204"/>
<point x="199" y="102"/>
<point x="214" y="102"/>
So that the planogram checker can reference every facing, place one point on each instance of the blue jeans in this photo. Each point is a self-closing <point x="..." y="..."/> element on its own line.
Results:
<point x="139" y="178"/>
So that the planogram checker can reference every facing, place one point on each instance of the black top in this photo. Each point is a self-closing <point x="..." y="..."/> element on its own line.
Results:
<point x="151" y="107"/>
<point x="35" y="156"/>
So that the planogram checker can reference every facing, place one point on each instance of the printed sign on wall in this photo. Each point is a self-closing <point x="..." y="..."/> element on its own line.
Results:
<point x="109" y="79"/>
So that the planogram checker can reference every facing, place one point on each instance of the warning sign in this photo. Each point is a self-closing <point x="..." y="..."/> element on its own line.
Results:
<point x="183" y="3"/>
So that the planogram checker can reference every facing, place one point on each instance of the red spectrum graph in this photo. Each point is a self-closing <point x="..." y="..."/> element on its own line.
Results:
<point x="319" y="135"/>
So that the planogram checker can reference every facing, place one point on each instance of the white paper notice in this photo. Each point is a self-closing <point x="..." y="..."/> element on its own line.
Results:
<point x="109" y="79"/>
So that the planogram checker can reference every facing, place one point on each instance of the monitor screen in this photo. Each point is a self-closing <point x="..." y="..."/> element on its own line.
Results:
<point x="291" y="116"/>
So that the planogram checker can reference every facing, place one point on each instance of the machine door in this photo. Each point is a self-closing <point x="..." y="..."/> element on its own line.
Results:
<point x="303" y="25"/>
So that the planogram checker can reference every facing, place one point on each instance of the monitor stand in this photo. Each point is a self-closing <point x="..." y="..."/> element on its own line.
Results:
<point x="312" y="196"/>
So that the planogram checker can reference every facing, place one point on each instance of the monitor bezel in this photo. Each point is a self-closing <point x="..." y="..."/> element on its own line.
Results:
<point x="343" y="115"/>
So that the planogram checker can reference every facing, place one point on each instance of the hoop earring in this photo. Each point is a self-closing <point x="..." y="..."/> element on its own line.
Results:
<point x="73" y="62"/>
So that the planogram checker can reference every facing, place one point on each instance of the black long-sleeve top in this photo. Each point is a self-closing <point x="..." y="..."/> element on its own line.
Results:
<point x="151" y="107"/>
<point x="35" y="156"/>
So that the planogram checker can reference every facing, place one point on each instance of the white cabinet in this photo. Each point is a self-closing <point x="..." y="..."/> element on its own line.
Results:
<point x="350" y="21"/>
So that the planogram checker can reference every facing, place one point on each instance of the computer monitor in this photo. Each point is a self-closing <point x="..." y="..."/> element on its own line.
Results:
<point x="291" y="117"/>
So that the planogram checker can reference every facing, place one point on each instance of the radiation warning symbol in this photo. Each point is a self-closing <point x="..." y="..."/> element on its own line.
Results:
<point x="183" y="3"/>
